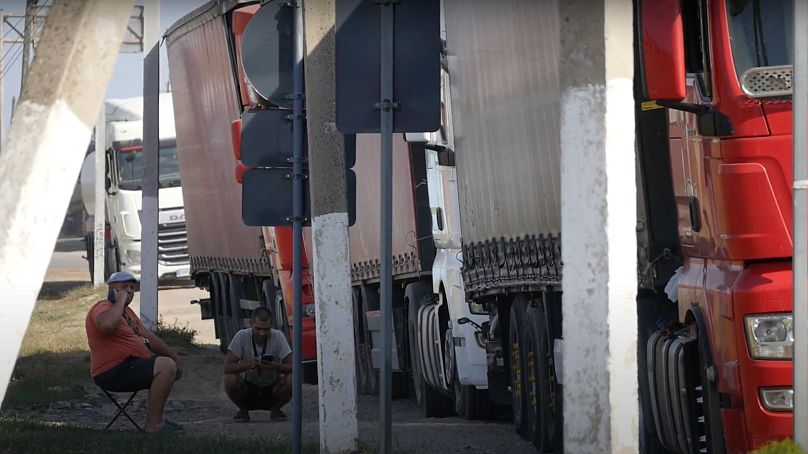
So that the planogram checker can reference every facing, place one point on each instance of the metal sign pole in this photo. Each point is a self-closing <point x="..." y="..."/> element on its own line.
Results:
<point x="297" y="231"/>
<point x="800" y="200"/>
<point x="386" y="172"/>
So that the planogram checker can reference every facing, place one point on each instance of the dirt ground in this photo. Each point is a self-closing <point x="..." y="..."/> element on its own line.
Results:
<point x="199" y="403"/>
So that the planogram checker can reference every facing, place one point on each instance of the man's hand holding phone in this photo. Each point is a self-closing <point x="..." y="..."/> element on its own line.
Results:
<point x="268" y="362"/>
<point x="120" y="295"/>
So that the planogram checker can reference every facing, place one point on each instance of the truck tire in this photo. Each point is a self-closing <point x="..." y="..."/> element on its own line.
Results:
<point x="516" y="365"/>
<point x="433" y="403"/>
<point x="111" y="260"/>
<point x="365" y="376"/>
<point x="469" y="402"/>
<point x="544" y="398"/>
<point x="89" y="248"/>
<point x="219" y="315"/>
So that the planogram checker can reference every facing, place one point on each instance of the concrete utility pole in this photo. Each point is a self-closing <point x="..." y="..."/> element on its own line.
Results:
<point x="149" y="312"/>
<point x="598" y="217"/>
<point x="151" y="24"/>
<point x="2" y="77"/>
<point x="44" y="152"/>
<point x="100" y="216"/>
<point x="800" y="201"/>
<point x="329" y="211"/>
<point x="27" y="38"/>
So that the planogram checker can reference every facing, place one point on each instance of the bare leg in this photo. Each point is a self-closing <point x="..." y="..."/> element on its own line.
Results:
<point x="165" y="373"/>
<point x="282" y="391"/>
<point x="236" y="390"/>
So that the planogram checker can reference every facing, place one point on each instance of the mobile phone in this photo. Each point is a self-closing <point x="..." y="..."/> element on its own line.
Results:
<point x="267" y="358"/>
<point x="111" y="295"/>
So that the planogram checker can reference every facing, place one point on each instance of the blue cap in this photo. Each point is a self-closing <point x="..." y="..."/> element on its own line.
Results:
<point x="121" y="276"/>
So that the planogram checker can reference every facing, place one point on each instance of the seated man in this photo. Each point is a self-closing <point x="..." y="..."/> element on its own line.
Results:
<point x="255" y="359"/>
<point x="121" y="349"/>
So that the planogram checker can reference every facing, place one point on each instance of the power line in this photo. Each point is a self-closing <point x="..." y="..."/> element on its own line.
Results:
<point x="14" y="60"/>
<point x="12" y="28"/>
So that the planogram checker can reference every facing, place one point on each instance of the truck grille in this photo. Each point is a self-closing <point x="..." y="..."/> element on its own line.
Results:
<point x="172" y="244"/>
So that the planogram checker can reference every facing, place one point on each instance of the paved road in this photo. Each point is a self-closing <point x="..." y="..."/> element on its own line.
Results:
<point x="68" y="269"/>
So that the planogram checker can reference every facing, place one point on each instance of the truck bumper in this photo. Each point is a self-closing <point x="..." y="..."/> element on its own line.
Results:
<point x="759" y="424"/>
<point x="761" y="288"/>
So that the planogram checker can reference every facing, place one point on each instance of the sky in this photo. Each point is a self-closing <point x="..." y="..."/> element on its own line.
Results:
<point x="127" y="78"/>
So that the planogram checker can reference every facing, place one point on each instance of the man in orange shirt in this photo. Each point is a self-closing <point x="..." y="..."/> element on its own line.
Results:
<point x="121" y="358"/>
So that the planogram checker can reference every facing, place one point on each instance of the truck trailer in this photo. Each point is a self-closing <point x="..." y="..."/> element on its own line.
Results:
<point x="124" y="191"/>
<point x="241" y="267"/>
<point x="713" y="148"/>
<point x="443" y="366"/>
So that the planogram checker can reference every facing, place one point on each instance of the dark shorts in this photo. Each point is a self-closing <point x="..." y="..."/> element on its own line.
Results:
<point x="259" y="398"/>
<point x="130" y="375"/>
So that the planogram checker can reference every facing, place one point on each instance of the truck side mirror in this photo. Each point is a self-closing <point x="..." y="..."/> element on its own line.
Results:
<point x="662" y="53"/>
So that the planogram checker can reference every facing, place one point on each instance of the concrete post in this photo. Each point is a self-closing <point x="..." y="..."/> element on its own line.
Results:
<point x="331" y="257"/>
<point x="100" y="216"/>
<point x="800" y="201"/>
<point x="150" y="212"/>
<point x="151" y="24"/>
<point x="27" y="38"/>
<point x="44" y="151"/>
<point x="598" y="216"/>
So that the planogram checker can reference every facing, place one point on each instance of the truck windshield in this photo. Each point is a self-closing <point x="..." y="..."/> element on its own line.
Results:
<point x="130" y="168"/>
<point x="761" y="32"/>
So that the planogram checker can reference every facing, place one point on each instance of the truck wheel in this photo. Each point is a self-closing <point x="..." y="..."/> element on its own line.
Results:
<point x="469" y="402"/>
<point x="516" y="365"/>
<point x="543" y="426"/>
<point x="111" y="260"/>
<point x="219" y="316"/>
<point x="281" y="319"/>
<point x="89" y="248"/>
<point x="365" y="375"/>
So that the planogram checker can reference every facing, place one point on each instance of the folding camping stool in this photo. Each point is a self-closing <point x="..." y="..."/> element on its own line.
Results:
<point x="121" y="409"/>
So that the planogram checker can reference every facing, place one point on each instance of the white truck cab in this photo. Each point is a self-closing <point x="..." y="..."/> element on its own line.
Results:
<point x="469" y="356"/>
<point x="124" y="183"/>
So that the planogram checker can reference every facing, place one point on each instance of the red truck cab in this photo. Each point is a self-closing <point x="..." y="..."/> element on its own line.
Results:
<point x="722" y="67"/>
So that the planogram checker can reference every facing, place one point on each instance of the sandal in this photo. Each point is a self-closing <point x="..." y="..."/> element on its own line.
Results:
<point x="277" y="415"/>
<point x="242" y="416"/>
<point x="169" y="428"/>
<point x="174" y="426"/>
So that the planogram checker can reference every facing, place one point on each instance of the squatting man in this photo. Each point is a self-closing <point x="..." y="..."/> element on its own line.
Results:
<point x="258" y="368"/>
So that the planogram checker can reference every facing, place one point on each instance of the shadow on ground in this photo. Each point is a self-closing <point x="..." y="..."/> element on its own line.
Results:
<point x="55" y="290"/>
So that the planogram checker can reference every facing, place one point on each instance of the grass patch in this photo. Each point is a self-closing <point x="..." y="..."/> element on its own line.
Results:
<point x="43" y="378"/>
<point x="18" y="436"/>
<point x="780" y="447"/>
<point x="54" y="360"/>
<point x="175" y="335"/>
<point x="57" y="326"/>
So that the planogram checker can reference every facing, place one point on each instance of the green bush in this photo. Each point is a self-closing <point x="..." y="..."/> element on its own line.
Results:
<point x="780" y="447"/>
<point x="175" y="335"/>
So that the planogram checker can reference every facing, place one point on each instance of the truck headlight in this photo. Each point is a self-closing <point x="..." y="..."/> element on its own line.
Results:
<point x="770" y="336"/>
<point x="308" y="310"/>
<point x="134" y="256"/>
<point x="777" y="399"/>
<point x="477" y="308"/>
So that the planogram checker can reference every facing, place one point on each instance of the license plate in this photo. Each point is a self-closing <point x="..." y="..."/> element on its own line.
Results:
<point x="183" y="273"/>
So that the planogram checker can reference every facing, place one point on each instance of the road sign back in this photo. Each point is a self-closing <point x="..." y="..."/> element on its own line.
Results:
<point x="267" y="52"/>
<point x="416" y="63"/>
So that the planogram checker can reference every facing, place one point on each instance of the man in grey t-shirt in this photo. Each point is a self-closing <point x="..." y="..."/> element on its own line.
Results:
<point x="258" y="368"/>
